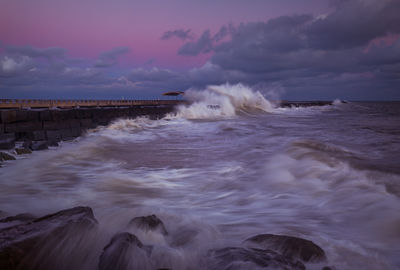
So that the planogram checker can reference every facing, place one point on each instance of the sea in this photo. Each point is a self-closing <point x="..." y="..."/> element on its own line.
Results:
<point x="227" y="166"/>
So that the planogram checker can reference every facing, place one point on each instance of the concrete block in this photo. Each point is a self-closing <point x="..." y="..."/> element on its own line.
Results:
<point x="38" y="135"/>
<point x="29" y="126"/>
<point x="8" y="116"/>
<point x="53" y="135"/>
<point x="33" y="116"/>
<point x="83" y="113"/>
<point x="87" y="123"/>
<point x="57" y="115"/>
<point x="10" y="128"/>
<point x="55" y="125"/>
<point x="76" y="132"/>
<point x="45" y="115"/>
<point x="7" y="141"/>
<point x="22" y="115"/>
<point x="74" y="123"/>
<point x="66" y="134"/>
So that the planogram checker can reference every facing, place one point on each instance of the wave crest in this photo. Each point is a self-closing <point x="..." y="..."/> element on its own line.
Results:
<point x="220" y="101"/>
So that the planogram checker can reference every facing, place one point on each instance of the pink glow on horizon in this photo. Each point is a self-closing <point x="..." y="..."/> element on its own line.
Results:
<point x="88" y="28"/>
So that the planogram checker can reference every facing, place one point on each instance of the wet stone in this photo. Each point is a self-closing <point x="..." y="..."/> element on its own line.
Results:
<point x="23" y="151"/>
<point x="124" y="252"/>
<point x="289" y="246"/>
<point x="39" y="145"/>
<point x="149" y="223"/>
<point x="25" y="246"/>
<point x="250" y="258"/>
<point x="6" y="156"/>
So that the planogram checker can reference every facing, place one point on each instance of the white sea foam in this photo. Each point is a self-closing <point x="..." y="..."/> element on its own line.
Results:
<point x="221" y="101"/>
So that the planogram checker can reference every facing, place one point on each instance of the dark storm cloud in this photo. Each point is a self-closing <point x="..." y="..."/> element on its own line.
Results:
<point x="355" y="23"/>
<point x="179" y="33"/>
<point x="203" y="45"/>
<point x="110" y="58"/>
<point x="307" y="52"/>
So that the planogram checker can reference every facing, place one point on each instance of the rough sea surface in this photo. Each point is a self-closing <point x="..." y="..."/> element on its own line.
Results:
<point x="219" y="174"/>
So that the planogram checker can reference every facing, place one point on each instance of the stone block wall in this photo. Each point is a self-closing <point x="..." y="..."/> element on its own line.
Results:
<point x="63" y="124"/>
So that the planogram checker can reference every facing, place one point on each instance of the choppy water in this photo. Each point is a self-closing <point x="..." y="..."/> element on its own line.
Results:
<point x="218" y="175"/>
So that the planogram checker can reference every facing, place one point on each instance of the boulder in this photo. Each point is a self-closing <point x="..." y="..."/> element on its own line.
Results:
<point x="149" y="223"/>
<point x="250" y="258"/>
<point x="289" y="246"/>
<point x="6" y="156"/>
<point x="39" y="145"/>
<point x="20" y="217"/>
<point x="125" y="252"/>
<point x="25" y="246"/>
<point x="23" y="151"/>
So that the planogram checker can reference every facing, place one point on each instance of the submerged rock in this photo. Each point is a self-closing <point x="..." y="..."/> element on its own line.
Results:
<point x="23" y="151"/>
<point x="124" y="252"/>
<point x="237" y="258"/>
<point x="6" y="156"/>
<point x="39" y="145"/>
<point x="26" y="246"/>
<point x="149" y="223"/>
<point x="289" y="246"/>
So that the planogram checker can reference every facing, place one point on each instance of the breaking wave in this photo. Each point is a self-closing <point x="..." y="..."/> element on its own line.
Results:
<point x="221" y="101"/>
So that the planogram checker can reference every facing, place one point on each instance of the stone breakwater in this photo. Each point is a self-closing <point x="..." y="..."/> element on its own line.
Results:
<point x="39" y="128"/>
<point x="64" y="240"/>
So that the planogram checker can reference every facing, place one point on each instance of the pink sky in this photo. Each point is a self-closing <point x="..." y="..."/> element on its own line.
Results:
<point x="87" y="28"/>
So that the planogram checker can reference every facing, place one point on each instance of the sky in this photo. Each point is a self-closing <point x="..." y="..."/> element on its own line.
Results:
<point x="138" y="49"/>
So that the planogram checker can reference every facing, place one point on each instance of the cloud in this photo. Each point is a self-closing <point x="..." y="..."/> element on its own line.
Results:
<point x="110" y="58"/>
<point x="47" y="53"/>
<point x="355" y="23"/>
<point x="178" y="33"/>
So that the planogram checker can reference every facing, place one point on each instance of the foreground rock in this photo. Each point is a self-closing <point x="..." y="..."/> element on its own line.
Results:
<point x="149" y="223"/>
<point x="289" y="246"/>
<point x="125" y="251"/>
<point x="249" y="258"/>
<point x="26" y="246"/>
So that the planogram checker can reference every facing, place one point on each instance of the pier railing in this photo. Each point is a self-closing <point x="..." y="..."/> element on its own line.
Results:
<point x="55" y="103"/>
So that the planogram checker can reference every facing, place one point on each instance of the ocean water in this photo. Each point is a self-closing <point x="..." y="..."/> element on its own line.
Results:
<point x="227" y="167"/>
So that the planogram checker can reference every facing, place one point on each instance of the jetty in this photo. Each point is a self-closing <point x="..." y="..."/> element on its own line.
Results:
<point x="39" y="123"/>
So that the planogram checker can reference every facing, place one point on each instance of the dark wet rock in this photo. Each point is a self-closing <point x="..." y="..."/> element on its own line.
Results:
<point x="27" y="144"/>
<point x="6" y="156"/>
<point x="23" y="151"/>
<point x="52" y="143"/>
<point x="149" y="223"/>
<point x="124" y="252"/>
<point x="26" y="246"/>
<point x="25" y="217"/>
<point x="289" y="246"/>
<point x="235" y="258"/>
<point x="39" y="145"/>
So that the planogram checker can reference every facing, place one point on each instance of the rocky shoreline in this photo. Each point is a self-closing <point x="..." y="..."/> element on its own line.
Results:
<point x="26" y="241"/>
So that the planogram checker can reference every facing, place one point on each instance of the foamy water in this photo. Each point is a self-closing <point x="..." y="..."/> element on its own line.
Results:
<point x="218" y="175"/>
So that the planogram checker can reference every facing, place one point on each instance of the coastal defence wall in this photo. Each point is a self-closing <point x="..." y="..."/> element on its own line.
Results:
<point x="49" y="122"/>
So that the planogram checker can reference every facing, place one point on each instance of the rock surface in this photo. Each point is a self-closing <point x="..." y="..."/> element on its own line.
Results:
<point x="39" y="145"/>
<point x="23" y="151"/>
<point x="6" y="156"/>
<point x="289" y="246"/>
<point x="249" y="258"/>
<point x="21" y="244"/>
<point x="149" y="223"/>
<point x="125" y="251"/>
